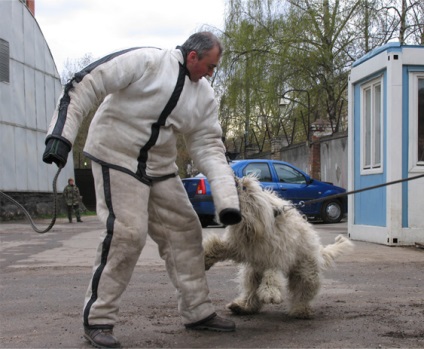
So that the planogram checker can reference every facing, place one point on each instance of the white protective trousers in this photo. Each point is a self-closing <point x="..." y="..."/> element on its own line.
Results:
<point x="130" y="210"/>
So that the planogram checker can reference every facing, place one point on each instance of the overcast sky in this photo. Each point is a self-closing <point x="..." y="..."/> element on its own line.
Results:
<point x="73" y="28"/>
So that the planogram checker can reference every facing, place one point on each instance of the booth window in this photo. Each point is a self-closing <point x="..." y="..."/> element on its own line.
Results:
<point x="416" y="121"/>
<point x="4" y="61"/>
<point x="372" y="99"/>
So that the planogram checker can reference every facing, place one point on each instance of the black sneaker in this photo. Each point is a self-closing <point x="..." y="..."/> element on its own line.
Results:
<point x="101" y="337"/>
<point x="213" y="323"/>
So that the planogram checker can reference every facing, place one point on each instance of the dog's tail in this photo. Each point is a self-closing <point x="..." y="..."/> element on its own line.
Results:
<point x="330" y="252"/>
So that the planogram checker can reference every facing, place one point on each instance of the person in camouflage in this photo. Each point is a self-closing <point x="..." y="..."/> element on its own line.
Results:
<point x="72" y="195"/>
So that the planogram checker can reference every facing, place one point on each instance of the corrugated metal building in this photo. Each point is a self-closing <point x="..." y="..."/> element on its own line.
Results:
<point x="29" y="89"/>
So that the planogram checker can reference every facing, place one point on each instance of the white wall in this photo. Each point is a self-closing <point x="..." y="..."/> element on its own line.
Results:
<point x="27" y="104"/>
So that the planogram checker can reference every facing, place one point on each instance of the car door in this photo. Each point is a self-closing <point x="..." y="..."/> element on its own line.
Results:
<point x="262" y="171"/>
<point x="293" y="185"/>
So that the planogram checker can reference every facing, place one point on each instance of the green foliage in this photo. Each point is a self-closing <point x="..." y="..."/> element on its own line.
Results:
<point x="302" y="50"/>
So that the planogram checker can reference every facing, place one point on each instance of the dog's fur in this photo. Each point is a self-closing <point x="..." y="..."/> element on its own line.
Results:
<point x="273" y="239"/>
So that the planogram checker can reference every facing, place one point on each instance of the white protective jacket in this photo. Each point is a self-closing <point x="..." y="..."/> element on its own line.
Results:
<point x="129" y="133"/>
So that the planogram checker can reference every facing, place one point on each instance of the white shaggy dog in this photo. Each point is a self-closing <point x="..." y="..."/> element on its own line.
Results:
<point x="272" y="240"/>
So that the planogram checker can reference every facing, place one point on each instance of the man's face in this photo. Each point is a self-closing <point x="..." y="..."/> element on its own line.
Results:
<point x="199" y="68"/>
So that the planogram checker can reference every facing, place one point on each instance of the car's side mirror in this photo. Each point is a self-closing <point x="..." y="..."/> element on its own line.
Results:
<point x="308" y="180"/>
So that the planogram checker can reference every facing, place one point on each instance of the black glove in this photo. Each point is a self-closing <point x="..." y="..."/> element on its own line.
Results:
<point x="56" y="151"/>
<point x="230" y="216"/>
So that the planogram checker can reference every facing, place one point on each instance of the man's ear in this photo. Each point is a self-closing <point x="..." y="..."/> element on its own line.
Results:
<point x="192" y="56"/>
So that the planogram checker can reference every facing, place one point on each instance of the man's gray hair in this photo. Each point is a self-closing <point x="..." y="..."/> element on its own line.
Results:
<point x="202" y="42"/>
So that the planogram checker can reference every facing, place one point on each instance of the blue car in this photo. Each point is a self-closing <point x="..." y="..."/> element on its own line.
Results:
<point x="285" y="179"/>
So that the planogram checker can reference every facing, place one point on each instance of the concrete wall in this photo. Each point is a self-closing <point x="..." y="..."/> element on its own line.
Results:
<point x="297" y="155"/>
<point x="333" y="158"/>
<point x="36" y="204"/>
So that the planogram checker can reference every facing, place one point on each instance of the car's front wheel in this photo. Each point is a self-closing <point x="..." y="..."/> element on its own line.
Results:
<point x="331" y="211"/>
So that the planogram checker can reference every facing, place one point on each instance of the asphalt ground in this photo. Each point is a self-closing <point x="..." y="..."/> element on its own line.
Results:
<point x="373" y="298"/>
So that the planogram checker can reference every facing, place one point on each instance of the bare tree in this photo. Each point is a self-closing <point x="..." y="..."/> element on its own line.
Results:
<point x="73" y="66"/>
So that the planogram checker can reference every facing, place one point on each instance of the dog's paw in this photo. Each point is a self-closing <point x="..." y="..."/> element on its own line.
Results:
<point x="270" y="295"/>
<point x="302" y="312"/>
<point x="239" y="309"/>
<point x="271" y="287"/>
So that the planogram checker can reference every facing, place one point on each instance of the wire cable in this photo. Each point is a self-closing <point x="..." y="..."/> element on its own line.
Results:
<point x="27" y="215"/>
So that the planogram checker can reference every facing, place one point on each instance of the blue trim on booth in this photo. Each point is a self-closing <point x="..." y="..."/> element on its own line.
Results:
<point x="390" y="47"/>
<point x="405" y="143"/>
<point x="370" y="207"/>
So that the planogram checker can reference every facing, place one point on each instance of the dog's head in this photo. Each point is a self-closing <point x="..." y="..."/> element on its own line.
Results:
<point x="258" y="206"/>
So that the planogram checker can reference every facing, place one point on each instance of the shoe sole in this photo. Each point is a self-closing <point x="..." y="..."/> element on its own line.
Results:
<point x="94" y="344"/>
<point x="211" y="329"/>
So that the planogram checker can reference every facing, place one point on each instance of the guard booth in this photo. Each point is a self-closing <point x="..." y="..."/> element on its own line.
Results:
<point x="386" y="143"/>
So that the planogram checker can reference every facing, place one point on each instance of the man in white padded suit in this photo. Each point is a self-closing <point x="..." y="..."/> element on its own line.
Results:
<point x="147" y="96"/>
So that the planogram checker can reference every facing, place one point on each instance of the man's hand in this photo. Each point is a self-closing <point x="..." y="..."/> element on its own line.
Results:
<point x="56" y="151"/>
<point x="230" y="216"/>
